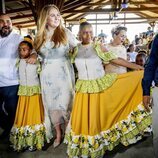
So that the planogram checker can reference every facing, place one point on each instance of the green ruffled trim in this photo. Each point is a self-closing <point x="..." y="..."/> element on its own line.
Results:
<point x="17" y="62"/>
<point x="73" y="54"/>
<point x="28" y="137"/>
<point x="127" y="132"/>
<point x="29" y="90"/>
<point x="97" y="85"/>
<point x="105" y="56"/>
<point x="39" y="69"/>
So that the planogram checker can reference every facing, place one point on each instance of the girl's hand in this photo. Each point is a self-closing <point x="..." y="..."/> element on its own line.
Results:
<point x="138" y="67"/>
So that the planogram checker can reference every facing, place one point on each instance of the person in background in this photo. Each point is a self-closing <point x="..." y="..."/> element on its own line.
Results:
<point x="149" y="31"/>
<point x="131" y="52"/>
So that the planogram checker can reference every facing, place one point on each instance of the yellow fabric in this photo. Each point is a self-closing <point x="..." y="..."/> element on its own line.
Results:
<point x="29" y="111"/>
<point x="93" y="113"/>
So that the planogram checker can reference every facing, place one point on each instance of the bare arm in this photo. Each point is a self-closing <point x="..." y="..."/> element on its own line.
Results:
<point x="125" y="63"/>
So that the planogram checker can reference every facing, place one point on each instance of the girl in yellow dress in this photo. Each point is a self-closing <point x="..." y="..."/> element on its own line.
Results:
<point x="28" y="131"/>
<point x="108" y="108"/>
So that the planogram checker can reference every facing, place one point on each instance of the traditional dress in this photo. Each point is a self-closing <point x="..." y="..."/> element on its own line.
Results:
<point x="107" y="108"/>
<point x="57" y="79"/>
<point x="119" y="51"/>
<point x="28" y="131"/>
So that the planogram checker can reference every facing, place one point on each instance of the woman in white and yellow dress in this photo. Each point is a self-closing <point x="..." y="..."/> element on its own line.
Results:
<point x="28" y="131"/>
<point x="107" y="109"/>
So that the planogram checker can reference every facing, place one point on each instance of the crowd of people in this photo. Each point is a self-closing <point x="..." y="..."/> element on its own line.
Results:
<point x="99" y="110"/>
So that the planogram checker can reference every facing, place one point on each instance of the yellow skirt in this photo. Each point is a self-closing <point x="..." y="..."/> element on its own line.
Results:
<point x="28" y="131"/>
<point x="100" y="121"/>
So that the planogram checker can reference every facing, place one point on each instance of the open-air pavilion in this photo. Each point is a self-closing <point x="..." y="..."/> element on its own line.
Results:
<point x="24" y="15"/>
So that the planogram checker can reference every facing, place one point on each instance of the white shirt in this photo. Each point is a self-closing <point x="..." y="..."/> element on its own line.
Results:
<point x="132" y="56"/>
<point x="8" y="55"/>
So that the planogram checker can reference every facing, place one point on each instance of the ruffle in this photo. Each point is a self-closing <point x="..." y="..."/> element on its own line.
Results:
<point x="29" y="90"/>
<point x="28" y="137"/>
<point x="105" y="56"/>
<point x="127" y="132"/>
<point x="97" y="85"/>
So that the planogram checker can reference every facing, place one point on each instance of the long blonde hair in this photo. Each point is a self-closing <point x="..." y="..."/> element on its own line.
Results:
<point x="59" y="37"/>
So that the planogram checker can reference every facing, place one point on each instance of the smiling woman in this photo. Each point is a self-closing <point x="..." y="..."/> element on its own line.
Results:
<point x="53" y="42"/>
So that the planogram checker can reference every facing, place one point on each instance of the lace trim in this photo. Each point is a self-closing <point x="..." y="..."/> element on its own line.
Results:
<point x="105" y="56"/>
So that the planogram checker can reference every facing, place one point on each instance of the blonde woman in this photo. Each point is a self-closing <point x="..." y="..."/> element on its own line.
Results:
<point x="53" y="42"/>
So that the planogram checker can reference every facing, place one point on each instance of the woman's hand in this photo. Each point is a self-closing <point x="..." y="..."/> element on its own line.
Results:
<point x="32" y="59"/>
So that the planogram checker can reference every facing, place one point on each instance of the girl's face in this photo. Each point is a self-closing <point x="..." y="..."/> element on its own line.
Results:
<point x="132" y="48"/>
<point x="140" y="61"/>
<point x="53" y="19"/>
<point x="24" y="51"/>
<point x="86" y="35"/>
<point x="120" y="38"/>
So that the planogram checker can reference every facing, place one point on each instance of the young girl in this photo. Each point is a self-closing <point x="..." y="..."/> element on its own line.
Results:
<point x="107" y="110"/>
<point x="28" y="131"/>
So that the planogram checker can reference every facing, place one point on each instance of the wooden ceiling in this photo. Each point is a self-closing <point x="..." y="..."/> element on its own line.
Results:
<point x="24" y="12"/>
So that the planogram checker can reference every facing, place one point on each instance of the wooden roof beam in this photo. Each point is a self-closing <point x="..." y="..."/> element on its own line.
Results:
<point x="128" y="10"/>
<point x="76" y="4"/>
<point x="22" y="16"/>
<point x="69" y="3"/>
<point x="23" y="22"/>
<point x="18" y="10"/>
<point x="107" y="19"/>
<point x="13" y="0"/>
<point x="91" y="11"/>
<point x="26" y="26"/>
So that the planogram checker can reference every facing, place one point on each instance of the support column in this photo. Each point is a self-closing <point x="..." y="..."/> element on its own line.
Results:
<point x="152" y="24"/>
<point x="2" y="7"/>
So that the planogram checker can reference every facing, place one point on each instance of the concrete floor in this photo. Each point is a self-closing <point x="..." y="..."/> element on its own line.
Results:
<point x="142" y="149"/>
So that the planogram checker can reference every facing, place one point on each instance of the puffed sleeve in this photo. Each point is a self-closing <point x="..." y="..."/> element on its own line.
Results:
<point x="105" y="56"/>
<point x="71" y="39"/>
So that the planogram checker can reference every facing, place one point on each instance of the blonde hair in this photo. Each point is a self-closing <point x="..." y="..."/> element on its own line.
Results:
<point x="59" y="37"/>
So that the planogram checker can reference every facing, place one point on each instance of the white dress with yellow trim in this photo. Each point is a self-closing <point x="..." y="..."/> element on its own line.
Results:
<point x="107" y="109"/>
<point x="28" y="131"/>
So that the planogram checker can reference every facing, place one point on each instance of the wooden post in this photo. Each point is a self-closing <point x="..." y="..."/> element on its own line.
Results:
<point x="2" y="7"/>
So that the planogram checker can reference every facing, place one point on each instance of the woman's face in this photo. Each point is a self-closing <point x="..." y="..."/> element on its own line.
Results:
<point x="53" y="19"/>
<point x="120" y="38"/>
<point x="86" y="34"/>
